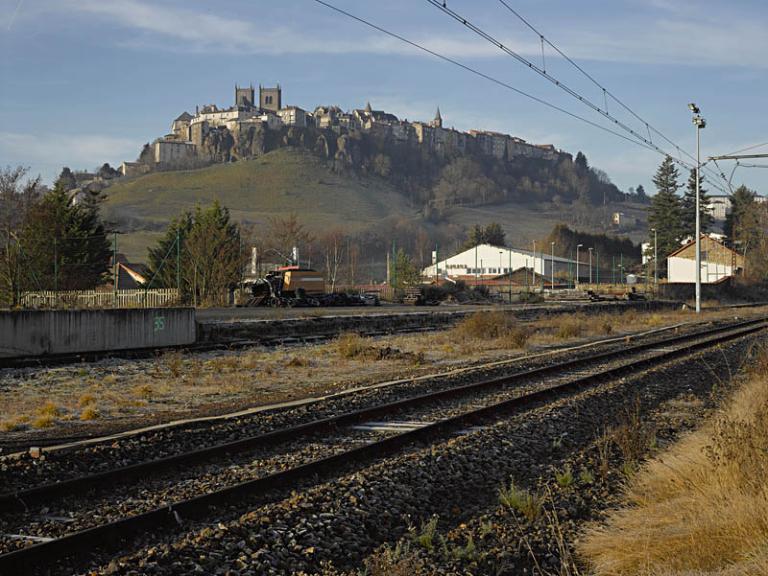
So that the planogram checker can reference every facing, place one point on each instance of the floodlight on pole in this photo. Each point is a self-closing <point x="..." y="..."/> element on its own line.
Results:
<point x="700" y="124"/>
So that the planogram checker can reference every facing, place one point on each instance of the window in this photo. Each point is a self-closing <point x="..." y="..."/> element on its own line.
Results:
<point x="268" y="99"/>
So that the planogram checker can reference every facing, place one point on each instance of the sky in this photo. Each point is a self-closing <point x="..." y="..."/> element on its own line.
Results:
<point x="83" y="82"/>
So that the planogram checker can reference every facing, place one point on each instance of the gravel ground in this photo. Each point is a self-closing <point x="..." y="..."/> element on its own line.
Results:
<point x="344" y="520"/>
<point x="26" y="472"/>
<point x="73" y="514"/>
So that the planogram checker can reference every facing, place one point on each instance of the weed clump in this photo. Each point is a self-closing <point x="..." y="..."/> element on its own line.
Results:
<point x="520" y="500"/>
<point x="493" y="326"/>
<point x="351" y="345"/>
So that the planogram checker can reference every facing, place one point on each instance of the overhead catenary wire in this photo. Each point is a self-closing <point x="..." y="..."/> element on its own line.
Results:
<point x="491" y="39"/>
<point x="746" y="149"/>
<point x="606" y="93"/>
<point x="478" y="72"/>
<point x="641" y="143"/>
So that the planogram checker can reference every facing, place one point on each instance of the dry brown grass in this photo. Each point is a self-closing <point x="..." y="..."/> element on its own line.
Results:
<point x="89" y="413"/>
<point x="701" y="508"/>
<point x="351" y="345"/>
<point x="502" y="328"/>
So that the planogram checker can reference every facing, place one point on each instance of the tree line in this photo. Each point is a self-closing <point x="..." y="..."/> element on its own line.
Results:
<point x="672" y="219"/>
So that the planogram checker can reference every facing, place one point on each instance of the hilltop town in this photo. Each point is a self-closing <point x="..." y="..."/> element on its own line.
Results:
<point x="251" y="127"/>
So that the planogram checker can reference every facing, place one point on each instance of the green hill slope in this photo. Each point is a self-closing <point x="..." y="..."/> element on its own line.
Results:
<point x="279" y="183"/>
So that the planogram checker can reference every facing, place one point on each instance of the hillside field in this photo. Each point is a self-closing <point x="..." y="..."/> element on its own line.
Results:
<point x="289" y="181"/>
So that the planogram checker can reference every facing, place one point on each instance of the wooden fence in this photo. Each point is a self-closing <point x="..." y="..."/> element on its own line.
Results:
<point x="136" y="298"/>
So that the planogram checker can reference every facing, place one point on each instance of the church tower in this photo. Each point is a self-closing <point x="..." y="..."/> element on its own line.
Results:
<point x="438" y="121"/>
<point x="244" y="96"/>
<point x="270" y="98"/>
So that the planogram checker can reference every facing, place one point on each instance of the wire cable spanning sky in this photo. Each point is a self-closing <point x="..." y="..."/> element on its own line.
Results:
<point x="440" y="5"/>
<point x="84" y="82"/>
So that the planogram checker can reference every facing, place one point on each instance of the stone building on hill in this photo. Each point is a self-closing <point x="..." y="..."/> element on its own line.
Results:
<point x="252" y="126"/>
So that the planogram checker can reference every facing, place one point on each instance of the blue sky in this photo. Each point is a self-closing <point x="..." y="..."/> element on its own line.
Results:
<point x="88" y="81"/>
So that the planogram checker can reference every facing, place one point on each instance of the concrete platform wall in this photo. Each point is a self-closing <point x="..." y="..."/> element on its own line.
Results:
<point x="42" y="332"/>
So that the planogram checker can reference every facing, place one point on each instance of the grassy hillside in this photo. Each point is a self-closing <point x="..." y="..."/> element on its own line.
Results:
<point x="279" y="183"/>
<point x="290" y="180"/>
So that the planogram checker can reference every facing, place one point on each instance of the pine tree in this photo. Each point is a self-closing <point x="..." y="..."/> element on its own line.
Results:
<point x="495" y="235"/>
<point x="741" y="223"/>
<point x="66" y="180"/>
<point x="65" y="244"/>
<point x="161" y="259"/>
<point x="664" y="213"/>
<point x="209" y="255"/>
<point x="688" y="208"/>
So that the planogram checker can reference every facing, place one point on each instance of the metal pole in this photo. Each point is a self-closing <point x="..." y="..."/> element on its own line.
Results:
<point x="437" y="264"/>
<point x="597" y="268"/>
<point x="55" y="267"/>
<point x="475" y="265"/>
<point x="656" y="258"/>
<point x="613" y="269"/>
<point x="552" y="265"/>
<point x="577" y="264"/>
<point x="510" y="274"/>
<point x="621" y="266"/>
<point x="116" y="269"/>
<point x="590" y="266"/>
<point x="178" y="264"/>
<point x="698" y="221"/>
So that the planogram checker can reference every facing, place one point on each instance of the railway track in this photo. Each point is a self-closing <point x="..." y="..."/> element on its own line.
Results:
<point x="352" y="438"/>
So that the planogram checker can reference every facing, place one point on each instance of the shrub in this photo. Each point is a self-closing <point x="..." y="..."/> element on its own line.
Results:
<point x="297" y="362"/>
<point x="85" y="400"/>
<point x="89" y="413"/>
<point x="493" y="326"/>
<point x="351" y="345"/>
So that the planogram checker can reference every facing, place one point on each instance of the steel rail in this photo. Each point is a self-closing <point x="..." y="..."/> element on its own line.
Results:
<point x="19" y="501"/>
<point x="82" y="544"/>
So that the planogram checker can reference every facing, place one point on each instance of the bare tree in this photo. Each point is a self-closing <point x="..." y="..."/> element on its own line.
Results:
<point x="333" y="253"/>
<point x="17" y="195"/>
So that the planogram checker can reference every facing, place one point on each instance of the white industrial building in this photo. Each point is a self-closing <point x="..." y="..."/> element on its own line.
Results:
<point x="718" y="263"/>
<point x="487" y="261"/>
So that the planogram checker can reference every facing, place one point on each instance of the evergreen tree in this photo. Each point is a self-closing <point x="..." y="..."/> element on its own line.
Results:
<point x="581" y="161"/>
<point x="65" y="244"/>
<point x="642" y="197"/>
<point x="492" y="234"/>
<point x="688" y="208"/>
<point x="406" y="272"/>
<point x="66" y="180"/>
<point x="209" y="255"/>
<point x="162" y="258"/>
<point x="664" y="213"/>
<point x="742" y="223"/>
<point x="495" y="235"/>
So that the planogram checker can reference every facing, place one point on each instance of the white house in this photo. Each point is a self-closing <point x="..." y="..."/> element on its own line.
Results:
<point x="718" y="262"/>
<point x="487" y="261"/>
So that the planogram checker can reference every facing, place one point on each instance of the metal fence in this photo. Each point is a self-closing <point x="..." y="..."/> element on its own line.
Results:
<point x="136" y="298"/>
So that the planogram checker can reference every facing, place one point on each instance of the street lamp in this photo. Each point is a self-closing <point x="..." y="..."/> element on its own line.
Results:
<point x="590" y="266"/>
<point x="552" y="265"/>
<point x="577" y="264"/>
<point x="700" y="123"/>
<point x="655" y="259"/>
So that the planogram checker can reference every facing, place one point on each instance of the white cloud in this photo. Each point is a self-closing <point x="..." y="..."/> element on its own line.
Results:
<point x="672" y="38"/>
